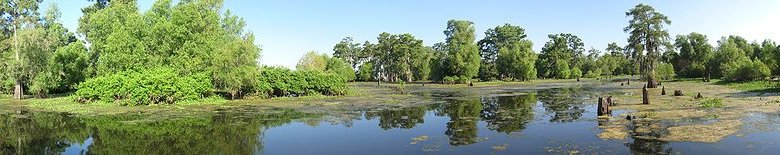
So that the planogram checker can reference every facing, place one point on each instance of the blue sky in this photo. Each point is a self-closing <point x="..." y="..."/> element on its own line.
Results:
<point x="286" y="29"/>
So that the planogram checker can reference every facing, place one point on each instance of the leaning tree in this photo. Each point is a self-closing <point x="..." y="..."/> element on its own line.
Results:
<point x="647" y="37"/>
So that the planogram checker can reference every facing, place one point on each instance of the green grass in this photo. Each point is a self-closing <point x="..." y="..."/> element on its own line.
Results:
<point x="712" y="103"/>
<point x="753" y="86"/>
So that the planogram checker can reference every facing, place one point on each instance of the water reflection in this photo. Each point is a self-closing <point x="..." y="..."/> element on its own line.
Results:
<point x="224" y="133"/>
<point x="565" y="103"/>
<point x="516" y="123"/>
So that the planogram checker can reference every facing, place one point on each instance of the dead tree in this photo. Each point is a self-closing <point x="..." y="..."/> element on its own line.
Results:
<point x="663" y="90"/>
<point x="645" y="99"/>
<point x="603" y="109"/>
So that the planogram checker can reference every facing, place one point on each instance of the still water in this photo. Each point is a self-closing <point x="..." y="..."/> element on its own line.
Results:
<point x="553" y="121"/>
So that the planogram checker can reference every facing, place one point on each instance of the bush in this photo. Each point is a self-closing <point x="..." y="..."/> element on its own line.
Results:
<point x="152" y="86"/>
<point x="664" y="71"/>
<point x="593" y="73"/>
<point x="745" y="70"/>
<point x="276" y="82"/>
<point x="456" y="80"/>
<point x="576" y="72"/>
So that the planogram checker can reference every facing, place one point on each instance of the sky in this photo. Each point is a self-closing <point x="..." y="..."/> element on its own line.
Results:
<point x="287" y="29"/>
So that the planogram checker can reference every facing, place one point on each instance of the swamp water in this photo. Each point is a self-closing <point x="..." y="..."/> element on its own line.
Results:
<point x="553" y="121"/>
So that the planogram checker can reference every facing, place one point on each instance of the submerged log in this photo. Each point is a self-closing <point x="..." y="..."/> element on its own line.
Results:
<point x="663" y="90"/>
<point x="645" y="99"/>
<point x="678" y="93"/>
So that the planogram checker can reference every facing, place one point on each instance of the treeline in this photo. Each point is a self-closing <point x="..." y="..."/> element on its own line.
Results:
<point x="172" y="52"/>
<point x="506" y="54"/>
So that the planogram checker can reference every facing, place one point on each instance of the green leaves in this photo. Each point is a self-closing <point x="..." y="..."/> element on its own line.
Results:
<point x="149" y="86"/>
<point x="463" y="57"/>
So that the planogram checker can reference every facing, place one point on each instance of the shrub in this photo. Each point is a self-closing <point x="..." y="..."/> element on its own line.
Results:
<point x="275" y="82"/>
<point x="745" y="70"/>
<point x="664" y="71"/>
<point x="593" y="73"/>
<point x="576" y="72"/>
<point x="151" y="86"/>
<point x="456" y="80"/>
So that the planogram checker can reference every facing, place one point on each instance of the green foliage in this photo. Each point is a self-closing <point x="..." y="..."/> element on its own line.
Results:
<point x="745" y="70"/>
<point x="339" y="67"/>
<point x="647" y="36"/>
<point x="276" y="82"/>
<point x="352" y="53"/>
<point x="695" y="53"/>
<point x="517" y="61"/>
<point x="559" y="55"/>
<point x="456" y="80"/>
<point x="490" y="49"/>
<point x="463" y="58"/>
<point x="664" y="71"/>
<point x="712" y="103"/>
<point x="312" y="61"/>
<point x="149" y="86"/>
<point x="576" y="72"/>
<point x="365" y="72"/>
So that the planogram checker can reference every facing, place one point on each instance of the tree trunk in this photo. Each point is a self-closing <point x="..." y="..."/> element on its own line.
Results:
<point x="18" y="90"/>
<point x="645" y="99"/>
<point x="651" y="82"/>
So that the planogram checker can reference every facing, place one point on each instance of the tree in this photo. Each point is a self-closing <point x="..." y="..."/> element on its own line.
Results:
<point x="728" y="57"/>
<point x="495" y="39"/>
<point x="349" y="51"/>
<point x="340" y="68"/>
<point x="695" y="53"/>
<point x="312" y="61"/>
<point x="18" y="14"/>
<point x="646" y="39"/>
<point x="517" y="60"/>
<point x="562" y="53"/>
<point x="463" y="58"/>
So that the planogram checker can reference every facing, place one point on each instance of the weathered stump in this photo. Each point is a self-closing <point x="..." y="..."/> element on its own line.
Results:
<point x="663" y="90"/>
<point x="645" y="99"/>
<point x="678" y="93"/>
<point x="603" y="108"/>
<point x="698" y="96"/>
<point x="609" y="100"/>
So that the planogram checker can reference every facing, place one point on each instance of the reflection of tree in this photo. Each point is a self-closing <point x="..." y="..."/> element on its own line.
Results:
<point x="508" y="113"/>
<point x="405" y="118"/>
<point x="462" y="128"/>
<point x="645" y="135"/>
<point x="39" y="133"/>
<point x="223" y="133"/>
<point x="648" y="146"/>
<point x="563" y="103"/>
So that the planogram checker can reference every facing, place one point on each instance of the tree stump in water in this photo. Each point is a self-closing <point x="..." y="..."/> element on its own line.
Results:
<point x="471" y="84"/>
<point x="628" y="82"/>
<point x="621" y="84"/>
<point x="645" y="99"/>
<point x="609" y="100"/>
<point x="698" y="96"/>
<point x="663" y="90"/>
<point x="678" y="93"/>
<point x="603" y="108"/>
